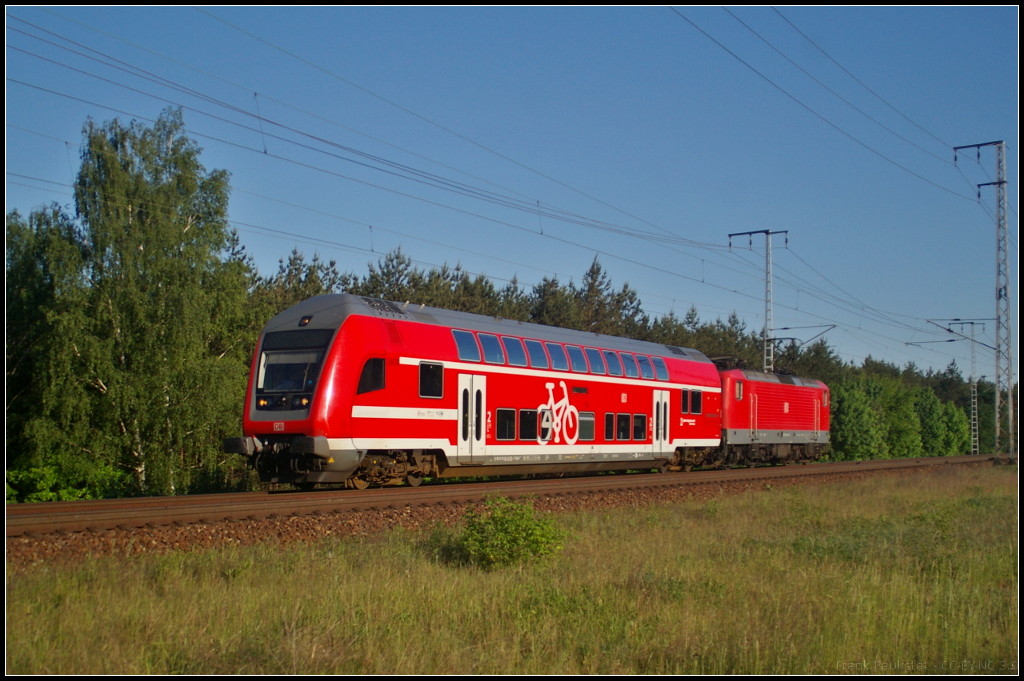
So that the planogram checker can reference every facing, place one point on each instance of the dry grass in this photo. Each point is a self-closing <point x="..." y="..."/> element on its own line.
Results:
<point x="864" y="576"/>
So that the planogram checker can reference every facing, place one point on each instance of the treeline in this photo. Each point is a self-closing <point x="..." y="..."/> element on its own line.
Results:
<point x="133" y="317"/>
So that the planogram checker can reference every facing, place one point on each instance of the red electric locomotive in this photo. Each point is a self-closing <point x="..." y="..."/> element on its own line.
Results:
<point x="357" y="390"/>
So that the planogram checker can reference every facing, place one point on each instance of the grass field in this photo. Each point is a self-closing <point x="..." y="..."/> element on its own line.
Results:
<point x="892" y="574"/>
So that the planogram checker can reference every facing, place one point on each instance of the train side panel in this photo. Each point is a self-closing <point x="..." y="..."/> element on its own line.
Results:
<point x="357" y="390"/>
<point x="767" y="417"/>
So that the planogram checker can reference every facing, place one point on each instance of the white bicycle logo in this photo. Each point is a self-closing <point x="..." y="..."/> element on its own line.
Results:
<point x="558" y="418"/>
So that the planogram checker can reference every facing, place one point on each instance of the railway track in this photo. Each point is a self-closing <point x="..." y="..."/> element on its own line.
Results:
<point x="78" y="516"/>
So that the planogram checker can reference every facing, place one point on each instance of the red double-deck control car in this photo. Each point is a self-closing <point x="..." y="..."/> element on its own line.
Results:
<point x="354" y="390"/>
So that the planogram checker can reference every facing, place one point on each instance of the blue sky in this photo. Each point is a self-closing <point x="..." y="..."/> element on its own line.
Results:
<point x="631" y="121"/>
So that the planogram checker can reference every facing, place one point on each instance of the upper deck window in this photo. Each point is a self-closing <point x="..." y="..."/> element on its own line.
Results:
<point x="492" y="349"/>
<point x="645" y="366"/>
<point x="514" y="350"/>
<point x="579" y="362"/>
<point x="558" y="359"/>
<point x="538" y="360"/>
<point x="660" y="368"/>
<point x="469" y="351"/>
<point x="596" y="363"/>
<point x="614" y="365"/>
<point x="630" y="365"/>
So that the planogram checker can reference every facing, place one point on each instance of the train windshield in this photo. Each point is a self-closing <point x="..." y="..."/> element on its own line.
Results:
<point x="289" y="371"/>
<point x="290" y="360"/>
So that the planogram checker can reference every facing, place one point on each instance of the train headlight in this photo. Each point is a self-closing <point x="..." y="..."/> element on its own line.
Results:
<point x="262" y="402"/>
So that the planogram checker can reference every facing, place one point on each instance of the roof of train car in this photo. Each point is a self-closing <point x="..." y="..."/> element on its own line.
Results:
<point x="786" y="379"/>
<point x="329" y="311"/>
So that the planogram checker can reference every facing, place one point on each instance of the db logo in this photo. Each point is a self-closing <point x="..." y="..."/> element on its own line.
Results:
<point x="278" y="426"/>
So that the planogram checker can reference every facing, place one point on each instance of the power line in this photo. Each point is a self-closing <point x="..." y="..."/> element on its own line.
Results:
<point x="862" y="84"/>
<point x="356" y="249"/>
<point x="566" y="216"/>
<point x="841" y="98"/>
<point x="433" y="123"/>
<point x="815" y="113"/>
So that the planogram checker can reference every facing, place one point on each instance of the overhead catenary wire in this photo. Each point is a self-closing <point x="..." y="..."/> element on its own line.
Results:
<point x="841" y="98"/>
<point x="817" y="115"/>
<point x="351" y="248"/>
<point x="565" y="215"/>
<point x="862" y="83"/>
<point x="261" y="96"/>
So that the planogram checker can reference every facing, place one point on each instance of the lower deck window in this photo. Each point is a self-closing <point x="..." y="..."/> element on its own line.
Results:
<point x="639" y="426"/>
<point x="506" y="419"/>
<point x="609" y="427"/>
<point x="622" y="426"/>
<point x="586" y="426"/>
<point x="691" y="401"/>
<point x="546" y="421"/>
<point x="527" y="424"/>
<point x="431" y="380"/>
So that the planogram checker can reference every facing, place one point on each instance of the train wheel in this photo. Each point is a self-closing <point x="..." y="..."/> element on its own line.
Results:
<point x="413" y="479"/>
<point x="360" y="483"/>
<point x="687" y="468"/>
<point x="305" y="486"/>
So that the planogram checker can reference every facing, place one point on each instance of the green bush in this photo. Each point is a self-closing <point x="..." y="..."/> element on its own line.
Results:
<point x="506" y="533"/>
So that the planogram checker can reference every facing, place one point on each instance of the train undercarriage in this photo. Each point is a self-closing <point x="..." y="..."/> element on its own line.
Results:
<point x="306" y="463"/>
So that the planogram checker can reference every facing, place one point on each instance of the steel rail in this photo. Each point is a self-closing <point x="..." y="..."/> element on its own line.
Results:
<point x="104" y="514"/>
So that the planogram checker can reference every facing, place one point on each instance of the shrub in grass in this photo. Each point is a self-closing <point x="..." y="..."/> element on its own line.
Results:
<point x="505" y="533"/>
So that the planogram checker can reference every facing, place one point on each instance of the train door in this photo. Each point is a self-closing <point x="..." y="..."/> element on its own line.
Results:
<point x="661" y="422"/>
<point x="753" y="416"/>
<point x="472" y="418"/>
<point x="817" y="417"/>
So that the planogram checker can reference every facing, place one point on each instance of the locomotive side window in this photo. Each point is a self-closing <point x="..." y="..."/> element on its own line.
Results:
<point x="514" y="350"/>
<point x="558" y="359"/>
<point x="579" y="362"/>
<point x="372" y="377"/>
<point x="492" y="349"/>
<point x="640" y="427"/>
<point x="622" y="426"/>
<point x="506" y="424"/>
<point x="468" y="349"/>
<point x="685" y="402"/>
<point x="645" y="366"/>
<point x="431" y="380"/>
<point x="538" y="360"/>
<point x="695" y="400"/>
<point x="609" y="427"/>
<point x="596" y="363"/>
<point x="739" y="390"/>
<point x="527" y="424"/>
<point x="660" y="368"/>
<point x="586" y="426"/>
<point x="614" y="365"/>
<point x="630" y="364"/>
